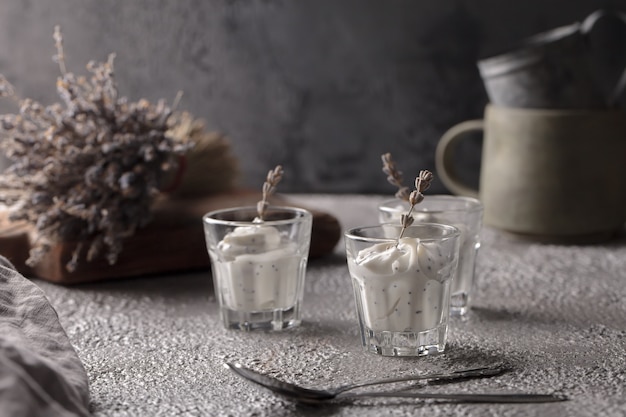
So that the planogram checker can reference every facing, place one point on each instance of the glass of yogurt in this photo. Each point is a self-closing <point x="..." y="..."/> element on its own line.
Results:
<point x="259" y="266"/>
<point x="402" y="287"/>
<point x="464" y="213"/>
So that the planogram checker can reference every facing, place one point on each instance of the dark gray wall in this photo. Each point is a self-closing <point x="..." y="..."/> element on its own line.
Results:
<point x="320" y="86"/>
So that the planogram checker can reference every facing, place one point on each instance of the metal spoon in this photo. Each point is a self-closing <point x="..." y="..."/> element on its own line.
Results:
<point x="307" y="395"/>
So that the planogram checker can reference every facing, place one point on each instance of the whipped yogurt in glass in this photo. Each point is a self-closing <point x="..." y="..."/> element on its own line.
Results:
<point x="465" y="214"/>
<point x="256" y="269"/>
<point x="402" y="288"/>
<point x="259" y="266"/>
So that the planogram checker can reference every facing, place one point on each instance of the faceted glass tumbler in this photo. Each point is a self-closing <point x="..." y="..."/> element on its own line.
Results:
<point x="259" y="267"/>
<point x="402" y="287"/>
<point x="464" y="213"/>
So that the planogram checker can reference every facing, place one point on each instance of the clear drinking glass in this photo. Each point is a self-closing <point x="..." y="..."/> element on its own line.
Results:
<point x="464" y="213"/>
<point x="259" y="267"/>
<point x="402" y="288"/>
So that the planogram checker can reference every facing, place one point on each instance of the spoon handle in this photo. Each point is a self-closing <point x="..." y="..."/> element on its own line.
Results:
<point x="473" y="398"/>
<point x="439" y="376"/>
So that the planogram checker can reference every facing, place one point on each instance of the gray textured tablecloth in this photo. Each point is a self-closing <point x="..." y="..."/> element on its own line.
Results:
<point x="555" y="314"/>
<point x="40" y="373"/>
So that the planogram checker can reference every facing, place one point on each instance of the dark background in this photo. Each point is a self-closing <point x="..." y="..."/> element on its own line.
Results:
<point x="320" y="86"/>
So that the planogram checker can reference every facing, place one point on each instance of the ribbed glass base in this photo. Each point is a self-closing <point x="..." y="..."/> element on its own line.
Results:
<point x="261" y="320"/>
<point x="459" y="303"/>
<point x="387" y="343"/>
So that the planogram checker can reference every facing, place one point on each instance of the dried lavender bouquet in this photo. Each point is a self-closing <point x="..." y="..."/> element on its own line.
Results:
<point x="88" y="168"/>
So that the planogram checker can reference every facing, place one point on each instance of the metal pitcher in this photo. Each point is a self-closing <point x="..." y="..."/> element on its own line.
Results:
<point x="551" y="70"/>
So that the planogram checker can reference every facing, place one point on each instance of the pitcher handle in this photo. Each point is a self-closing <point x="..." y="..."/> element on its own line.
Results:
<point x="586" y="27"/>
<point x="445" y="156"/>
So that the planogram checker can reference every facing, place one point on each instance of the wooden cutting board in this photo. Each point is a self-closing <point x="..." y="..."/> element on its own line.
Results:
<point x="172" y="242"/>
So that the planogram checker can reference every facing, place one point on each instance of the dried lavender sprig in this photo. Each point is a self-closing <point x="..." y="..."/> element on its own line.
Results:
<point x="422" y="183"/>
<point x="394" y="176"/>
<point x="59" y="58"/>
<point x="6" y="88"/>
<point x="269" y="186"/>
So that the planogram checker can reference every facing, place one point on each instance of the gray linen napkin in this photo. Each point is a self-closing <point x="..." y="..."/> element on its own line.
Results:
<point x="40" y="373"/>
